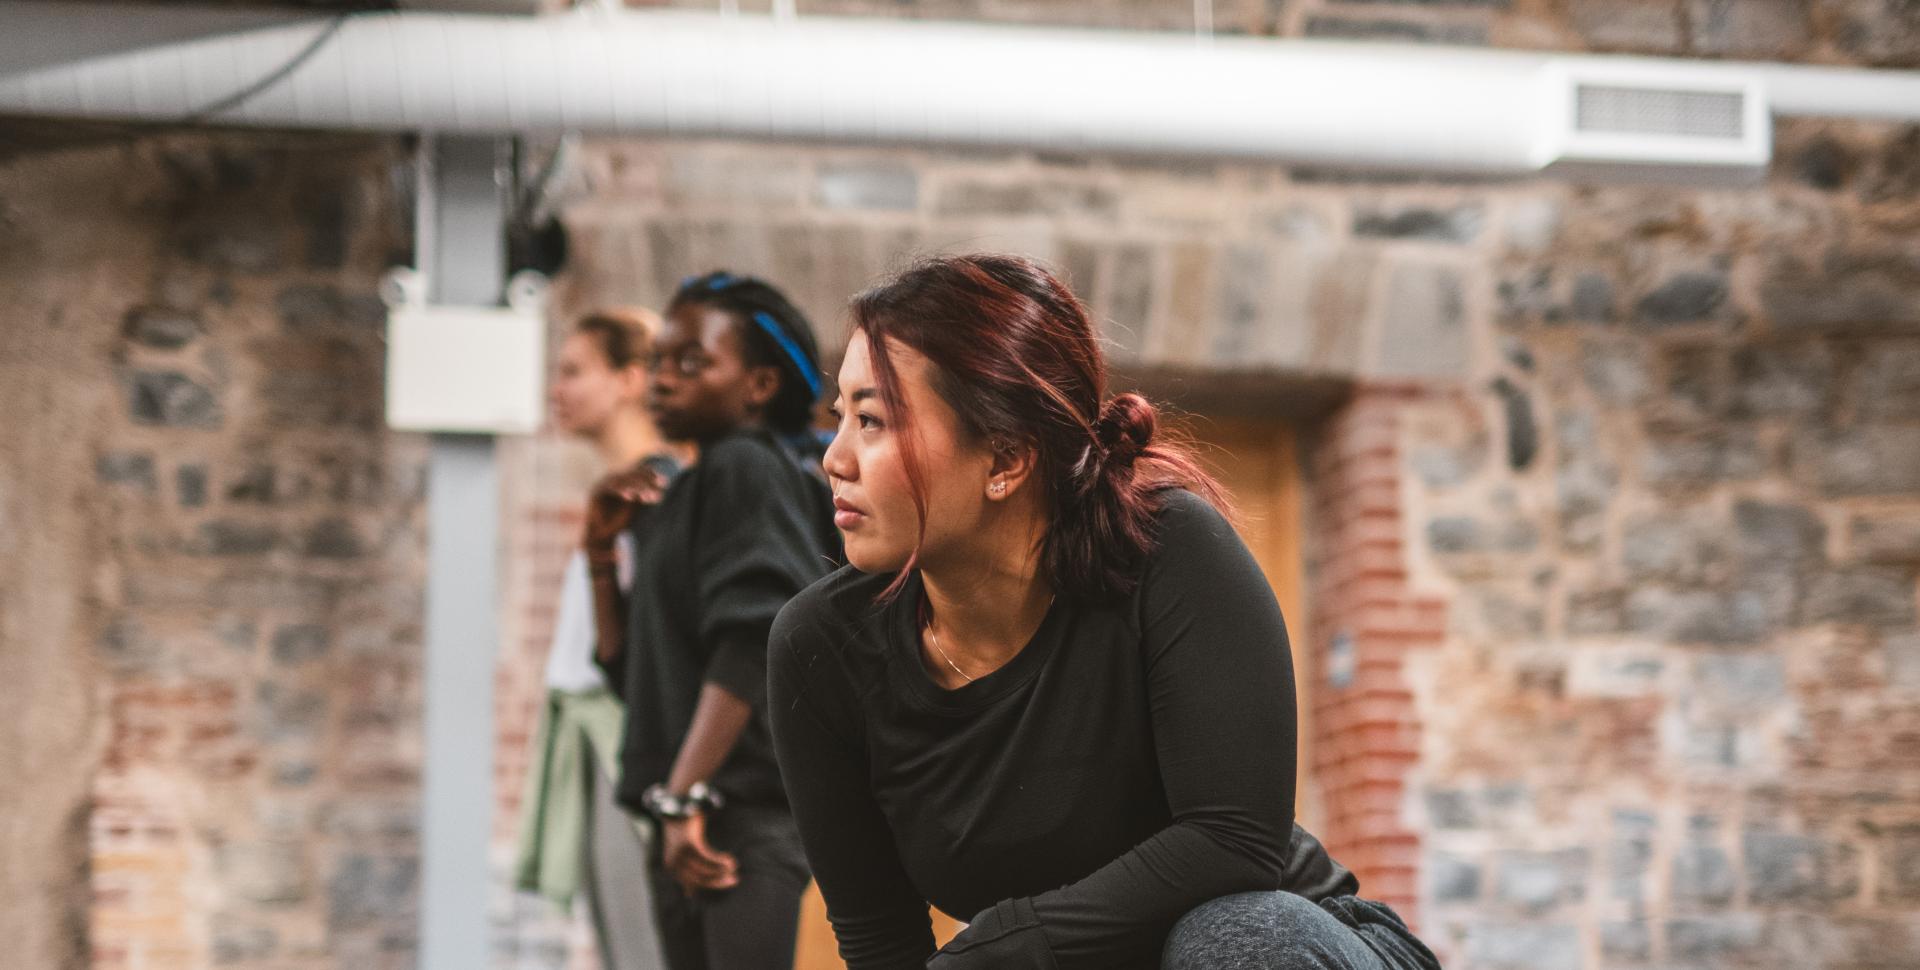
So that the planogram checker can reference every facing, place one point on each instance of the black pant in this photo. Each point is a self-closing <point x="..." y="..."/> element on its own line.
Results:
<point x="751" y="926"/>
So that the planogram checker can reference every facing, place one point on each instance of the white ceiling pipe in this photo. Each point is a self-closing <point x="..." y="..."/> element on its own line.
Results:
<point x="832" y="79"/>
<point x="1805" y="90"/>
<point x="824" y="79"/>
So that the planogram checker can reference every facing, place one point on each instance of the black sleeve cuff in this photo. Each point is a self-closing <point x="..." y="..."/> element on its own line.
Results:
<point x="739" y="665"/>
<point x="1006" y="936"/>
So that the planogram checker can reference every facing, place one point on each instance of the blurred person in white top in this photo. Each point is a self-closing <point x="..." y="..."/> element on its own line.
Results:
<point x="573" y="837"/>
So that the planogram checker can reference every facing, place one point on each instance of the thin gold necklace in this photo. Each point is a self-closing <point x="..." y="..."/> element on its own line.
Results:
<point x="934" y="639"/>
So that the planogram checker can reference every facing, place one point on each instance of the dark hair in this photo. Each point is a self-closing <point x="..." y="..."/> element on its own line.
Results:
<point x="624" y="334"/>
<point x="775" y="334"/>
<point x="1014" y="353"/>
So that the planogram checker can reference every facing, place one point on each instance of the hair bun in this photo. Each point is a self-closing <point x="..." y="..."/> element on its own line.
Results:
<point x="1125" y="428"/>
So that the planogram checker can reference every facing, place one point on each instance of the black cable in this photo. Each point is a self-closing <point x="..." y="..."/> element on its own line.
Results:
<point x="272" y="78"/>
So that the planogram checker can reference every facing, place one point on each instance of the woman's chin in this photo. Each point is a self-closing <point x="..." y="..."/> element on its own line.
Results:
<point x="863" y="556"/>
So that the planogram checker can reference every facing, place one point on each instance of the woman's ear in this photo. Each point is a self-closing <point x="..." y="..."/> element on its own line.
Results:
<point x="1013" y="465"/>
<point x="762" y="384"/>
<point x="633" y="383"/>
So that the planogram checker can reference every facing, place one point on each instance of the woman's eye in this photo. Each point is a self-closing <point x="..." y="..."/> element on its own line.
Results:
<point x="869" y="421"/>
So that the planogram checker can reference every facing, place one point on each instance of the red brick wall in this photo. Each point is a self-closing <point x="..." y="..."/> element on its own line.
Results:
<point x="540" y="538"/>
<point x="543" y="483"/>
<point x="143" y="857"/>
<point x="1364" y="728"/>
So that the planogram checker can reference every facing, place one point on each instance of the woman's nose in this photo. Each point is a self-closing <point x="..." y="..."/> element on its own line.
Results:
<point x="837" y="462"/>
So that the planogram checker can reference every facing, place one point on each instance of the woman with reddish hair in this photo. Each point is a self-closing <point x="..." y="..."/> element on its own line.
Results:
<point x="1051" y="693"/>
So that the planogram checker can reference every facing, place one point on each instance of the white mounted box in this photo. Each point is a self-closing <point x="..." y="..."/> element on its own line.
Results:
<point x="477" y="370"/>
<point x="1621" y="120"/>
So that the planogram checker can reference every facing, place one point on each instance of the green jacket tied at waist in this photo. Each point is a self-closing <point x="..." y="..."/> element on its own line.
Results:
<point x="574" y="726"/>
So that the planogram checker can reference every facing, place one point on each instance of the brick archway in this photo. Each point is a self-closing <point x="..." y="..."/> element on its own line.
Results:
<point x="1365" y="618"/>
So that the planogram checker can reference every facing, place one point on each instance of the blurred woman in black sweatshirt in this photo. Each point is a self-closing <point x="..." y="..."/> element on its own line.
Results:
<point x="735" y="372"/>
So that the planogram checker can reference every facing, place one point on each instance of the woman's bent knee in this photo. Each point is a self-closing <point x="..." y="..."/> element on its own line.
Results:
<point x="1255" y="931"/>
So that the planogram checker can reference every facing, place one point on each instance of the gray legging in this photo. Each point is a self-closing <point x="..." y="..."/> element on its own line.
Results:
<point x="1282" y="931"/>
<point x="615" y="883"/>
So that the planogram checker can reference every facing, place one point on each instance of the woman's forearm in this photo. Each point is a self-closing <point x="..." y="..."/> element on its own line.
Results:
<point x="718" y="721"/>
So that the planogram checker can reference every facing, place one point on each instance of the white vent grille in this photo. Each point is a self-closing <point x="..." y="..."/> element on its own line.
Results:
<point x="1660" y="122"/>
<point x="1655" y="111"/>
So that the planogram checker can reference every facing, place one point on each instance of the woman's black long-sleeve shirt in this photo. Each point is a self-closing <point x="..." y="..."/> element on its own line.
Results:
<point x="1134" y="760"/>
<point x="732" y="539"/>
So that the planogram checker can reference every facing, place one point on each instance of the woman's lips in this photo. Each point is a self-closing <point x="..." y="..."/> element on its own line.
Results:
<point x="846" y="515"/>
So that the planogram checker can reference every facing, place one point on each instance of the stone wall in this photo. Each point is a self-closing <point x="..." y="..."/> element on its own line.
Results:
<point x="224" y="715"/>
<point x="1675" y="716"/>
<point x="1613" y="547"/>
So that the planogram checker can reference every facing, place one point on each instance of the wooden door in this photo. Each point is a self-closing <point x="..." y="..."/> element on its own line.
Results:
<point x="1257" y="462"/>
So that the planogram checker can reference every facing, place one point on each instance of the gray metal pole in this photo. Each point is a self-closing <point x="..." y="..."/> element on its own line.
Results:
<point x="461" y="248"/>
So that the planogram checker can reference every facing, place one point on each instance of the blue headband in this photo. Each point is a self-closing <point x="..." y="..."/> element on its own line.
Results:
<point x="720" y="281"/>
<point x="799" y="357"/>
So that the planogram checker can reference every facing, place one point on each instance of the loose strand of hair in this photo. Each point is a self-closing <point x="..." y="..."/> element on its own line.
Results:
<point x="886" y="379"/>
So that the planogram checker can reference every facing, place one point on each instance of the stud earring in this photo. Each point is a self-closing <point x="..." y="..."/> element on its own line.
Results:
<point x="998" y="488"/>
